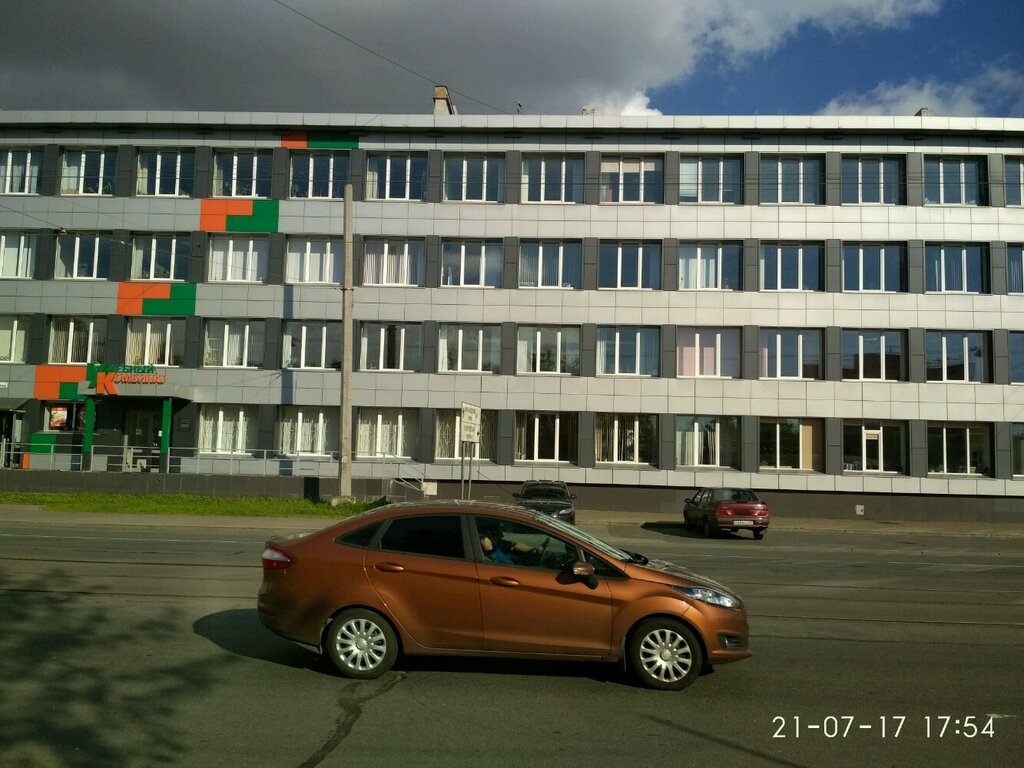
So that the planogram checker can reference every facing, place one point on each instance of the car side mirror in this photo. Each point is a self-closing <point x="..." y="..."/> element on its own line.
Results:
<point x="584" y="572"/>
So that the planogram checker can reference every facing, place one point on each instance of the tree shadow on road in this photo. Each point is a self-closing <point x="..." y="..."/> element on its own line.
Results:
<point x="80" y="685"/>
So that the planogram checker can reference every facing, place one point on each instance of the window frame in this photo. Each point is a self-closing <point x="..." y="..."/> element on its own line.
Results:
<point x="886" y="252"/>
<point x="252" y="327"/>
<point x="493" y="164"/>
<point x="415" y="163"/>
<point x="180" y="252"/>
<point x="491" y="263"/>
<point x="173" y="342"/>
<point x="945" y="337"/>
<point x="809" y="191"/>
<point x="245" y="428"/>
<point x="727" y="456"/>
<point x="721" y="334"/>
<point x="486" y="449"/>
<point x="537" y="344"/>
<point x="639" y="334"/>
<point x="570" y="192"/>
<point x="528" y="423"/>
<point x="24" y="265"/>
<point x="968" y="427"/>
<point x="184" y="185"/>
<point x="488" y="347"/>
<point x="17" y="329"/>
<point x="29" y="181"/>
<point x="574" y="259"/>
<point x="95" y="339"/>
<point x="405" y="419"/>
<point x="723" y="173"/>
<point x="329" y="330"/>
<point x="326" y="428"/>
<point x="260" y="175"/>
<point x="765" y="356"/>
<point x="617" y="422"/>
<point x="254" y="259"/>
<point x="102" y="246"/>
<point x="335" y="182"/>
<point x="803" y="256"/>
<point x="877" y="431"/>
<point x="857" y="186"/>
<point x="408" y="257"/>
<point x="385" y="342"/>
<point x="883" y="356"/>
<point x="648" y="265"/>
<point x="724" y="251"/>
<point x="803" y="426"/>
<point x="938" y="181"/>
<point x="298" y="260"/>
<point x="650" y="184"/>
<point x="972" y="259"/>
<point x="76" y="183"/>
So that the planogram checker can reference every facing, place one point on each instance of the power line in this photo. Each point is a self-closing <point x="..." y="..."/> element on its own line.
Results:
<point x="393" y="62"/>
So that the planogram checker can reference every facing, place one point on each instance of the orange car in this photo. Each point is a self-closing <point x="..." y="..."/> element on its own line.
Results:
<point x="469" y="578"/>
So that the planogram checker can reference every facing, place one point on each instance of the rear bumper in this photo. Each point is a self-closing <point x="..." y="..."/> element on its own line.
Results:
<point x="741" y="523"/>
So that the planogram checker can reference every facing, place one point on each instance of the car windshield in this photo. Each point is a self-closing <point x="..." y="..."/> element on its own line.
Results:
<point x="733" y="494"/>
<point x="600" y="546"/>
<point x="544" y="492"/>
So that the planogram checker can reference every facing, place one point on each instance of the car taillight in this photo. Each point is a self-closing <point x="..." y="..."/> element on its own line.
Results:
<point x="723" y="509"/>
<point x="275" y="559"/>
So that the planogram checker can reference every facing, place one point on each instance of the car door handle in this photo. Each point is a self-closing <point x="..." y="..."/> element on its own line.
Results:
<point x="389" y="567"/>
<point x="504" y="581"/>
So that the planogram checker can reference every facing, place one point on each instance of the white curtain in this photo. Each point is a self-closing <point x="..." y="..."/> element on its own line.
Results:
<point x="528" y="260"/>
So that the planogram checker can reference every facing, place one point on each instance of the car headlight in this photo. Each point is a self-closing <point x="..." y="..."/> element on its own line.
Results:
<point x="711" y="596"/>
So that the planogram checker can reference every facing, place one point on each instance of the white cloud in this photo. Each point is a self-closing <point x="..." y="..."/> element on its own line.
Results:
<point x="550" y="56"/>
<point x="985" y="94"/>
<point x="634" y="104"/>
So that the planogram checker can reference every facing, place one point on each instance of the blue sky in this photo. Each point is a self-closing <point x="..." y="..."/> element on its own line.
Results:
<point x="959" y="57"/>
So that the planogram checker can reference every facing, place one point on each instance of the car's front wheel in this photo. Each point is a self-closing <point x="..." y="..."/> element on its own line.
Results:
<point x="361" y="644"/>
<point x="665" y="654"/>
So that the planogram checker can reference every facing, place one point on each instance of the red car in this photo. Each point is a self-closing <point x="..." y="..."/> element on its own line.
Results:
<point x="469" y="578"/>
<point x="726" y="509"/>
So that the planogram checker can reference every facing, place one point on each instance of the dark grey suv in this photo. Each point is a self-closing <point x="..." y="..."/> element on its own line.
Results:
<point x="550" y="497"/>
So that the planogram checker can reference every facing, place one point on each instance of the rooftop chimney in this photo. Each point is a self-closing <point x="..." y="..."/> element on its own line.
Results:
<point x="443" y="104"/>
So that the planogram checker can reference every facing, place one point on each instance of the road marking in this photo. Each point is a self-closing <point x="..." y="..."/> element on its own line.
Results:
<point x="123" y="538"/>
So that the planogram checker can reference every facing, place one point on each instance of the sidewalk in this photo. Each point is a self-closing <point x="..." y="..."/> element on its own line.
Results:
<point x="16" y="513"/>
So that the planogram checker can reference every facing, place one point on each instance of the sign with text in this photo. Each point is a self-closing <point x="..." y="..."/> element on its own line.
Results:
<point x="470" y="423"/>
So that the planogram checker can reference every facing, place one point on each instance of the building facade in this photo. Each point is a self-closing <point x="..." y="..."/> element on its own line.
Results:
<point x="815" y="305"/>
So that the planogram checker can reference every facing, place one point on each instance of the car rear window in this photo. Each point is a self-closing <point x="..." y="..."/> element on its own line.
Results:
<point x="438" y="535"/>
<point x="734" y="494"/>
<point x="360" y="537"/>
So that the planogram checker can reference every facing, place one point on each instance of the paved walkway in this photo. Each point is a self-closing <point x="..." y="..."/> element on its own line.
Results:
<point x="26" y="513"/>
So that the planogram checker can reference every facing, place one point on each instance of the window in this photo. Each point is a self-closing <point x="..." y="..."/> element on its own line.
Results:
<point x="874" y="267"/>
<point x="155" y="341"/>
<point x="393" y="262"/>
<point x="242" y="174"/>
<point x="714" y="266"/>
<point x="166" y="172"/>
<point x="89" y="172"/>
<point x="711" y="179"/>
<point x="632" y="180"/>
<point x="1017" y="357"/>
<point x="400" y="176"/>
<point x="17" y="255"/>
<point x="387" y="431"/>
<point x="497" y="539"/>
<point x="319" y="174"/>
<point x="241" y="259"/>
<point x="13" y="329"/>
<point x="1014" y="180"/>
<point x="626" y="438"/>
<point x="474" y="178"/>
<point x="791" y="444"/>
<point x="83" y="257"/>
<point x="792" y="179"/>
<point x="311" y="260"/>
<point x="64" y="417"/>
<point x="873" y="180"/>
<point x="19" y="171"/>
<point x="955" y="181"/>
<point x="959" y="449"/>
<point x="307" y="430"/>
<point x="956" y="268"/>
<point x="390" y="347"/>
<point x="433" y="535"/>
<point x="552" y="179"/>
<point x="879" y="446"/>
<point x="546" y="437"/>
<point x="475" y="348"/>
<point x="790" y="353"/>
<point x="792" y="267"/>
<point x="161" y="257"/>
<point x="874" y="355"/>
<point x="448" y="445"/>
<point x="708" y="352"/>
<point x="472" y="263"/>
<point x="707" y="441"/>
<point x="628" y="350"/>
<point x="1015" y="269"/>
<point x="228" y="428"/>
<point x="234" y="343"/>
<point x="548" y="349"/>
<point x="630" y="265"/>
<point x="77" y="340"/>
<point x="312" y="344"/>
<point x="1017" y="447"/>
<point x="550" y="265"/>
<point x="957" y="356"/>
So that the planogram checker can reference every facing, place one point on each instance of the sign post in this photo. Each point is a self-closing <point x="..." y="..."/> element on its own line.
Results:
<point x="469" y="436"/>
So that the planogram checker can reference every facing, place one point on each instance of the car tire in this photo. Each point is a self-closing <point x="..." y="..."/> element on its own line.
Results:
<point x="361" y="644"/>
<point x="665" y="654"/>
<point x="758" y="533"/>
<point x="709" y="529"/>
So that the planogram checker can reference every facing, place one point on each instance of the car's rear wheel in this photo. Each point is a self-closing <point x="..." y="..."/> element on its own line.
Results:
<point x="665" y="654"/>
<point x="759" y="533"/>
<point x="361" y="644"/>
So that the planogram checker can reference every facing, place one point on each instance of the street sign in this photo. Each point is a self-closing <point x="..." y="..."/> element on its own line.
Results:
<point x="470" y="423"/>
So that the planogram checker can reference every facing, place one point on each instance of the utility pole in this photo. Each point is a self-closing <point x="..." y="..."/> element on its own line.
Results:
<point x="345" y="438"/>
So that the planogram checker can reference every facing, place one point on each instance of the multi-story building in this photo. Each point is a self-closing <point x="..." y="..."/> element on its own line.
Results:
<point x="638" y="305"/>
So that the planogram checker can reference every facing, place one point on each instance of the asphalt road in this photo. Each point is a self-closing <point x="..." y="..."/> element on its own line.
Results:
<point x="137" y="645"/>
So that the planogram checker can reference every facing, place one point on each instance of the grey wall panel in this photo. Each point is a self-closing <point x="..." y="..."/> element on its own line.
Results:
<point x="915" y="179"/>
<point x="204" y="172"/>
<point x="586" y="440"/>
<point x="428" y="360"/>
<point x="357" y="174"/>
<point x="37" y="345"/>
<point x="124" y="185"/>
<point x="121" y="255"/>
<point x="670" y="264"/>
<point x="833" y="339"/>
<point x="591" y="178"/>
<point x="916" y="369"/>
<point x="435" y="176"/>
<point x="833" y="178"/>
<point x="915" y="266"/>
<point x="750" y="268"/>
<point x="997" y="180"/>
<point x="668" y="352"/>
<point x="918" y="441"/>
<point x="194" y="342"/>
<point x="750" y="350"/>
<point x="200" y="243"/>
<point x="508" y="349"/>
<point x="426" y="450"/>
<point x="588" y="350"/>
<point x="274" y="341"/>
<point x="671" y="178"/>
<point x="513" y="176"/>
<point x="279" y="174"/>
<point x="750" y="443"/>
<point x="116" y="343"/>
<point x="1000" y="356"/>
<point x="432" y="256"/>
<point x="50" y="171"/>
<point x="751" y="178"/>
<point x="667" y="441"/>
<point x="998" y="266"/>
<point x="591" y="255"/>
<point x="833" y="446"/>
<point x="506" y="438"/>
<point x="1002" y="451"/>
<point x="267" y="427"/>
<point x="833" y="266"/>
<point x="510" y="266"/>
<point x="46" y="255"/>
<point x="276" y="259"/>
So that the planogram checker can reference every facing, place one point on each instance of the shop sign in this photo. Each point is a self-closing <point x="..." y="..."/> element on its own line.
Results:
<point x="103" y="379"/>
